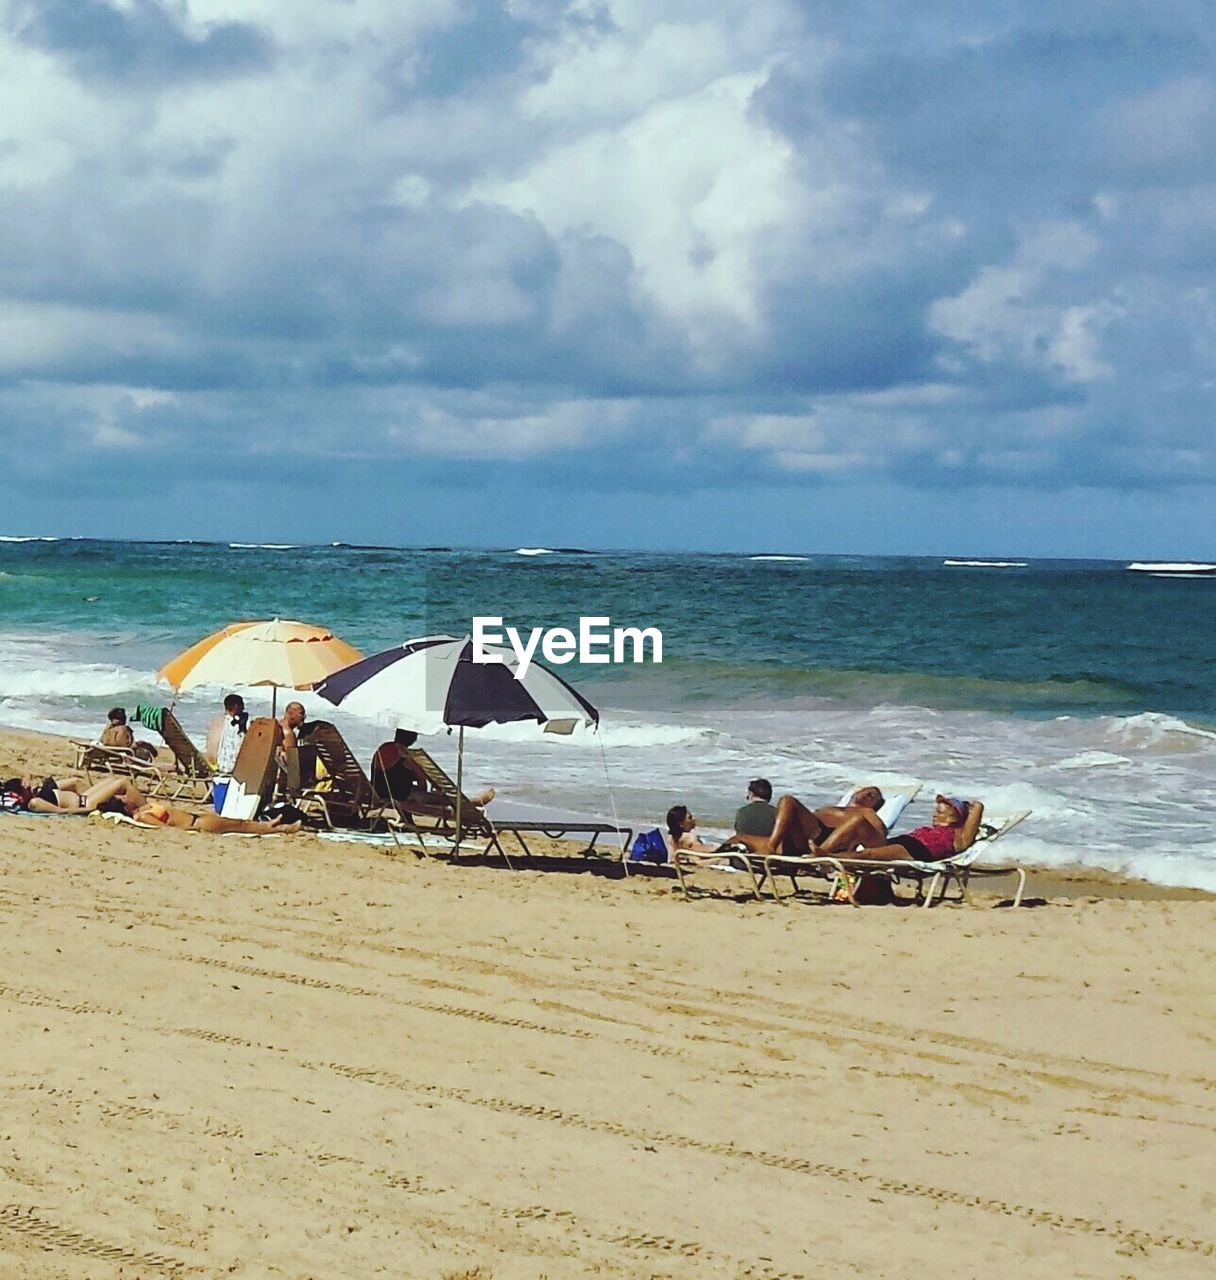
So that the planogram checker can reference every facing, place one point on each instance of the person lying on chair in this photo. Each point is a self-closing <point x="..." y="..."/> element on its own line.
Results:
<point x="398" y="778"/>
<point x="680" y="827"/>
<point x="799" y="831"/>
<point x="954" y="827"/>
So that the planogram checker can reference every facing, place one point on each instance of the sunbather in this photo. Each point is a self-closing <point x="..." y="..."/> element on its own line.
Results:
<point x="398" y="778"/>
<point x="74" y="795"/>
<point x="799" y="830"/>
<point x="117" y="732"/>
<point x="955" y="825"/>
<point x="680" y="827"/>
<point x="164" y="815"/>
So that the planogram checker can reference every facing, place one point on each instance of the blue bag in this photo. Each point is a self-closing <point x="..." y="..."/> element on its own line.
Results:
<point x="649" y="846"/>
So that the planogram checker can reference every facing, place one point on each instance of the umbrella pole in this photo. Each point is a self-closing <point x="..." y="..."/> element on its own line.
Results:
<point x="274" y="701"/>
<point x="459" y="786"/>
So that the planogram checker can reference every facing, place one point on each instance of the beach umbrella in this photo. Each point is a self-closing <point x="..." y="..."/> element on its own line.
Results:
<point x="282" y="654"/>
<point x="432" y="683"/>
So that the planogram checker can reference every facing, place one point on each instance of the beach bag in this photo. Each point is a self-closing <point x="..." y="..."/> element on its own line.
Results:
<point x="649" y="847"/>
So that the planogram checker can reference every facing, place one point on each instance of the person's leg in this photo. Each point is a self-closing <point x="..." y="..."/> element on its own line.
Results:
<point x="890" y="853"/>
<point x="795" y="829"/>
<point x="853" y="831"/>
<point x="480" y="801"/>
<point x="217" y="825"/>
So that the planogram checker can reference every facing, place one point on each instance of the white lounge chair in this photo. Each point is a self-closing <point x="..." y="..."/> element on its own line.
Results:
<point x="736" y="857"/>
<point x="958" y="868"/>
<point x="895" y="801"/>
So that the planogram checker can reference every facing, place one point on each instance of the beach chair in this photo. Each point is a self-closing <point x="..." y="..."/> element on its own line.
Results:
<point x="92" y="757"/>
<point x="414" y="818"/>
<point x="193" y="774"/>
<point x="960" y="868"/>
<point x="791" y="865"/>
<point x="344" y="797"/>
<point x="963" y="866"/>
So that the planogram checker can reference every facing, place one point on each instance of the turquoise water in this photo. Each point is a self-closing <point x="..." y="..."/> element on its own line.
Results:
<point x="1075" y="688"/>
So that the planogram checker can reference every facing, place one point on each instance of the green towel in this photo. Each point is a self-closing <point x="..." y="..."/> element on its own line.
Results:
<point x="150" y="717"/>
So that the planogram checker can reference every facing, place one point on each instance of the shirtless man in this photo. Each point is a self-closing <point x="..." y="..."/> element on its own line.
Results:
<point x="799" y="830"/>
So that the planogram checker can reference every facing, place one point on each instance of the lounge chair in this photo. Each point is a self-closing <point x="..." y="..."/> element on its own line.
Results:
<point x="93" y="757"/>
<point x="958" y="868"/>
<point x="344" y="797"/>
<point x="963" y="866"/>
<point x="193" y="773"/>
<point x="422" y="818"/>
<point x="896" y="800"/>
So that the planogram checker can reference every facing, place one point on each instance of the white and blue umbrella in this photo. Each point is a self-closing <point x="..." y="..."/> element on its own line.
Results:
<point x="432" y="683"/>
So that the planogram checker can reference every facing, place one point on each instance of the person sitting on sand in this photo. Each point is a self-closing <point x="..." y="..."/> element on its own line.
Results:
<point x="680" y="827"/>
<point x="117" y="732"/>
<point x="163" y="815"/>
<point x="398" y="778"/>
<point x="74" y="795"/>
<point x="800" y="831"/>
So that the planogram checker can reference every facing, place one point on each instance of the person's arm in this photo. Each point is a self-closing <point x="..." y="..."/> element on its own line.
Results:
<point x="964" y="836"/>
<point x="693" y="844"/>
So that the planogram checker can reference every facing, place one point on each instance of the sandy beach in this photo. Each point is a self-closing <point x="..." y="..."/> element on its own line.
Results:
<point x="296" y="1058"/>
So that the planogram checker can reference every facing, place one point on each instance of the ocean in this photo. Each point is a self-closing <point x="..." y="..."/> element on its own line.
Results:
<point x="1076" y="689"/>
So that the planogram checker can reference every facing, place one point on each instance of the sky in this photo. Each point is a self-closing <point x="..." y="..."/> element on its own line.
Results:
<point x="829" y="276"/>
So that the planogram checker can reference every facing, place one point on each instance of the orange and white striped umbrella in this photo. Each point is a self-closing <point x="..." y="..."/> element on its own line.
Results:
<point x="288" y="655"/>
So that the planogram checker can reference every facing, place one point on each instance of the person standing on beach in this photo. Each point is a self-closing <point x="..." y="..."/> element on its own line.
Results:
<point x="225" y="732"/>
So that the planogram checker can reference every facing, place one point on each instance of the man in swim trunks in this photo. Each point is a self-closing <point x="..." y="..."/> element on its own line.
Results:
<point x="800" y="831"/>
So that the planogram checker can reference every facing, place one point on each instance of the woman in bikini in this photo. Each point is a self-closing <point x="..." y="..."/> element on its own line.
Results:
<point x="74" y="795"/>
<point x="163" y="815"/>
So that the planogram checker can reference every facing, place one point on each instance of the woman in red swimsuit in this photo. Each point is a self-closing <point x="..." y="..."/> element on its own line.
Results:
<point x="956" y="823"/>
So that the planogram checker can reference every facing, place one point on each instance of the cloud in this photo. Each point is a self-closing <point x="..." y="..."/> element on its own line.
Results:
<point x="147" y="41"/>
<point x="613" y="242"/>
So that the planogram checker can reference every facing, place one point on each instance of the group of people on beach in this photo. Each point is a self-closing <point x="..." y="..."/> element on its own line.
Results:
<point x="397" y="776"/>
<point x="855" y="828"/>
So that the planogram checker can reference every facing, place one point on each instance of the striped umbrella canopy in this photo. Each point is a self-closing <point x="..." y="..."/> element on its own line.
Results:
<point x="284" y="654"/>
<point x="432" y="683"/>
